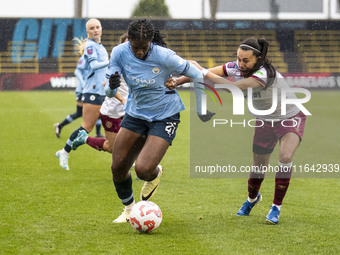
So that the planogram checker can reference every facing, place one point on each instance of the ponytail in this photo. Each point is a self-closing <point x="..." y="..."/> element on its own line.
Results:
<point x="158" y="39"/>
<point x="79" y="45"/>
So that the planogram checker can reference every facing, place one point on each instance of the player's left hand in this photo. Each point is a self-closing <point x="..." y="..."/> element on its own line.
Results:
<point x="207" y="116"/>
<point x="114" y="81"/>
<point x="171" y="83"/>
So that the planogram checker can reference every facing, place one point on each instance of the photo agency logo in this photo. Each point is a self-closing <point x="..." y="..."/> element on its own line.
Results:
<point x="284" y="94"/>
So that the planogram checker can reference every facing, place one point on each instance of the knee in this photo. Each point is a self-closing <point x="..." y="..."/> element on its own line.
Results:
<point x="286" y="157"/>
<point x="144" y="172"/>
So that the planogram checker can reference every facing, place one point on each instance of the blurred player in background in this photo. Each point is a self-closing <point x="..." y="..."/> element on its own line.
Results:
<point x="111" y="114"/>
<point x="152" y="111"/>
<point x="81" y="73"/>
<point x="96" y="58"/>
<point x="253" y="70"/>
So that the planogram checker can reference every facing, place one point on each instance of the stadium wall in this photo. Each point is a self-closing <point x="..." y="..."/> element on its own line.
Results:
<point x="38" y="53"/>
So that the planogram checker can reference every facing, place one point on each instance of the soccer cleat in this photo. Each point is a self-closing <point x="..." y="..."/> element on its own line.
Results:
<point x="247" y="206"/>
<point x="100" y="136"/>
<point x="273" y="215"/>
<point x="149" y="188"/>
<point x="63" y="159"/>
<point x="80" y="139"/>
<point x="57" y="129"/>
<point x="124" y="217"/>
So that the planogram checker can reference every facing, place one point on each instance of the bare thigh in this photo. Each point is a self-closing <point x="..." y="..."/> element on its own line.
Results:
<point x="126" y="148"/>
<point x="288" y="145"/>
<point x="108" y="145"/>
<point x="90" y="116"/>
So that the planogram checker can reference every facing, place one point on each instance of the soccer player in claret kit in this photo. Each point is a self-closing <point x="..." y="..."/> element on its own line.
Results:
<point x="253" y="70"/>
<point x="152" y="110"/>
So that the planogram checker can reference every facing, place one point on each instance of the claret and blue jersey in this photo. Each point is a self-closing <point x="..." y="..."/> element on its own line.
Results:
<point x="148" y="98"/>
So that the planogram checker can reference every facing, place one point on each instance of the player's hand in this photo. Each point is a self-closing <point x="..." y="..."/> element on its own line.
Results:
<point x="114" y="81"/>
<point x="171" y="83"/>
<point x="206" y="117"/>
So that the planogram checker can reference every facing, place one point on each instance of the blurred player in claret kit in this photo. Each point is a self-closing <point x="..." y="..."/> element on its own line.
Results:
<point x="253" y="70"/>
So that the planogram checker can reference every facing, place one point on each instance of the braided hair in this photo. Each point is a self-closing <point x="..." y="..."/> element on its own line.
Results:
<point x="143" y="29"/>
<point x="260" y="49"/>
<point x="123" y="38"/>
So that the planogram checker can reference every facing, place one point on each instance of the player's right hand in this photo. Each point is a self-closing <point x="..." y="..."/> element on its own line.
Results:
<point x="171" y="83"/>
<point x="114" y="81"/>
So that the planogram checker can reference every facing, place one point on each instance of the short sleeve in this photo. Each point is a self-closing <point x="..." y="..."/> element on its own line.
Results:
<point x="230" y="69"/>
<point x="90" y="52"/>
<point x="114" y="62"/>
<point x="176" y="64"/>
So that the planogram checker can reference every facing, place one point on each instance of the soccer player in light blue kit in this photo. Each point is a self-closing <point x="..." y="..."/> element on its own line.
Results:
<point x="82" y="71"/>
<point x="96" y="59"/>
<point x="152" y="110"/>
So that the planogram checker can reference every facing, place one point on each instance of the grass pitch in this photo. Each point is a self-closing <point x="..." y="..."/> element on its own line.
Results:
<point x="46" y="210"/>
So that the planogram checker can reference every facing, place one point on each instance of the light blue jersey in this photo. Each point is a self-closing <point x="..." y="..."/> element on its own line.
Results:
<point x="148" y="98"/>
<point x="82" y="72"/>
<point x="96" y="59"/>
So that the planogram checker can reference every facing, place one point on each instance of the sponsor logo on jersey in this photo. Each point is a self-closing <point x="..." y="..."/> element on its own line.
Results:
<point x="259" y="72"/>
<point x="155" y="70"/>
<point x="142" y="82"/>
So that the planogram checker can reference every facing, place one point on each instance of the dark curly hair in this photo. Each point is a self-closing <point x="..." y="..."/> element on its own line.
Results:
<point x="143" y="29"/>
<point x="261" y="46"/>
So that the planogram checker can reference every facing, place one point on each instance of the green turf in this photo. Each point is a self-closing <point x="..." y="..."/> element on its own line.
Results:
<point x="46" y="210"/>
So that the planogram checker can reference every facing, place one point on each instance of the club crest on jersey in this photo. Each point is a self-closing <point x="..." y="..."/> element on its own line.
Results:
<point x="89" y="50"/>
<point x="155" y="70"/>
<point x="108" y="124"/>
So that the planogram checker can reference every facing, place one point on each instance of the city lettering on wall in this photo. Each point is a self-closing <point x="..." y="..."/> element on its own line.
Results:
<point x="36" y="53"/>
<point x="34" y="38"/>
